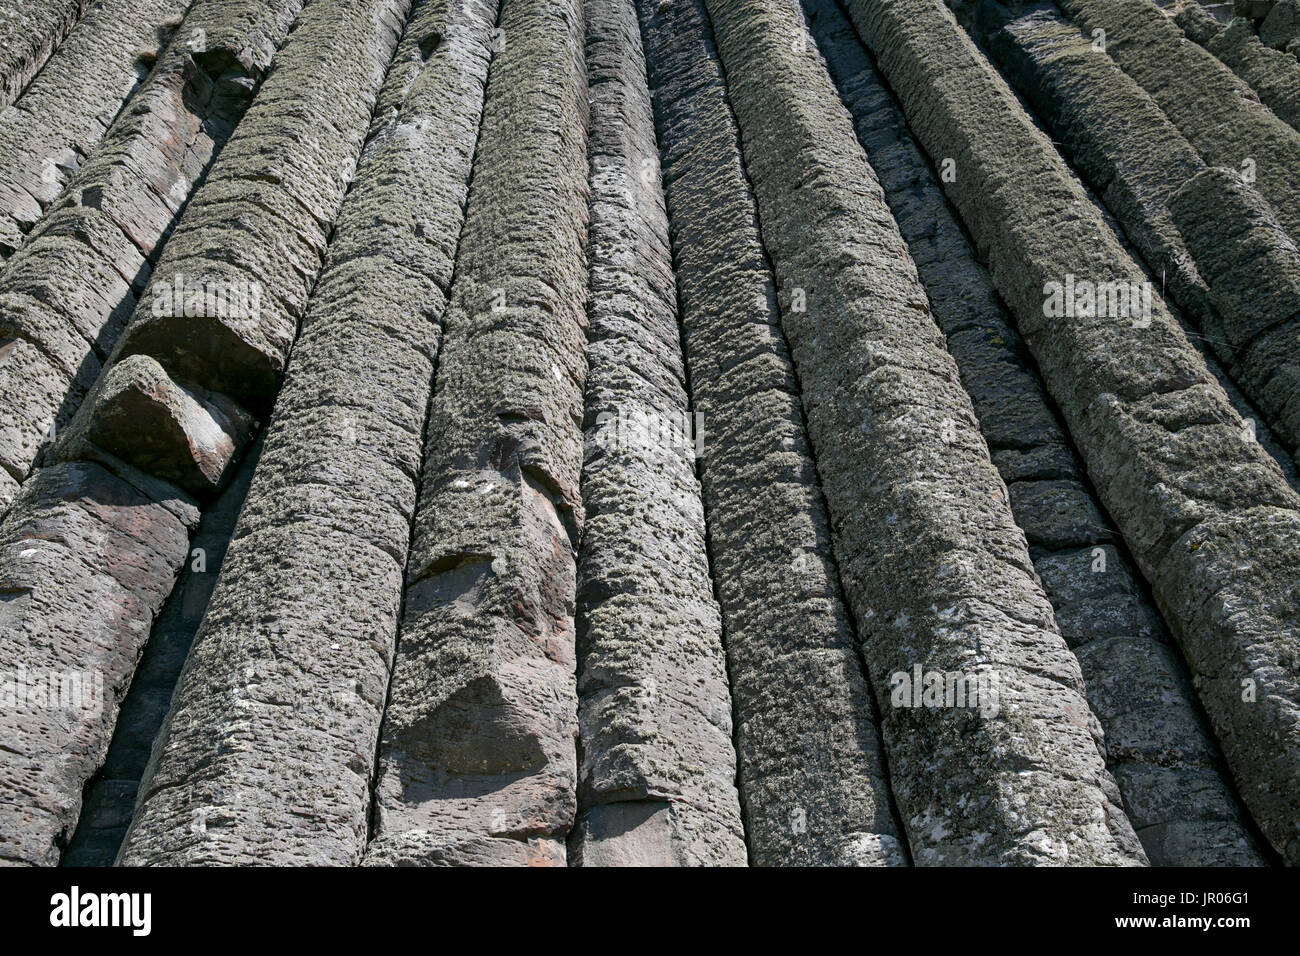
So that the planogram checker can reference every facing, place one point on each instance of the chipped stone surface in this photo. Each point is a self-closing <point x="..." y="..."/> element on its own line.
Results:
<point x="1163" y="447"/>
<point x="811" y="772"/>
<point x="935" y="568"/>
<point x="654" y="709"/>
<point x="361" y="374"/>
<point x="477" y="758"/>
<point x="29" y="32"/>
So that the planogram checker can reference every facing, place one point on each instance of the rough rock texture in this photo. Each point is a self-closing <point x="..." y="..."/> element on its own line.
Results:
<point x="792" y="517"/>
<point x="1273" y="74"/>
<point x="332" y="68"/>
<point x="87" y="557"/>
<point x="1204" y="510"/>
<point x="1214" y="109"/>
<point x="1137" y="160"/>
<point x="66" y="294"/>
<point x="1157" y="747"/>
<point x="337" y="478"/>
<point x="1281" y="28"/>
<point x="29" y="32"/>
<point x="1226" y="223"/>
<point x="656" y="769"/>
<point x="67" y="110"/>
<point x="935" y="568"/>
<point x="111" y="794"/>
<point x="477" y="760"/>
<point x="811" y="774"/>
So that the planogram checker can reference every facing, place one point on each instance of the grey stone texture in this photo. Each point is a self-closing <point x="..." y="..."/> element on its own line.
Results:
<point x="1280" y="30"/>
<point x="67" y="109"/>
<point x="1203" y="509"/>
<point x="656" y="768"/>
<point x="29" y="32"/>
<point x="66" y="295"/>
<point x="1218" y="113"/>
<point x="811" y="773"/>
<point x="1273" y="74"/>
<point x="477" y="754"/>
<point x="1138" y="161"/>
<point x="307" y="606"/>
<point x="91" y="503"/>
<point x="1136" y="684"/>
<point x="936" y="570"/>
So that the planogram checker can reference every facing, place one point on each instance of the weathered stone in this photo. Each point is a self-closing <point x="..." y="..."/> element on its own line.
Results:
<point x="73" y="285"/>
<point x="86" y="559"/>
<point x="324" y="532"/>
<point x="1281" y="28"/>
<point x="654" y="709"/>
<point x="29" y="32"/>
<point x="934" y="566"/>
<point x="182" y="435"/>
<point x="477" y="760"/>
<point x="810" y="767"/>
<point x="1201" y="510"/>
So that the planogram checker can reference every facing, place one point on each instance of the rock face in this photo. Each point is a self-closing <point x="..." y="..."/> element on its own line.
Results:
<point x="697" y="433"/>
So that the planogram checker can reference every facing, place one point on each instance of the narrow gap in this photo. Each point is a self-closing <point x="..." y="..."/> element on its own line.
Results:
<point x="904" y="844"/>
<point x="424" y="436"/>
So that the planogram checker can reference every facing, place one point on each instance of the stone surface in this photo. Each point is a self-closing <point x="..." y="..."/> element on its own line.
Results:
<point x="1162" y="445"/>
<point x="29" y="32"/>
<point x="935" y="568"/>
<point x="654" y="708"/>
<point x="477" y="755"/>
<point x="811" y="772"/>
<point x="337" y="477"/>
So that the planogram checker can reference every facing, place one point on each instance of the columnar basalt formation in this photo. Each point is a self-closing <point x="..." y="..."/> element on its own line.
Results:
<point x="1273" y="74"/>
<point x="477" y="758"/>
<point x="648" y="432"/>
<point x="67" y="293"/>
<point x="67" y="546"/>
<point x="1167" y="767"/>
<point x="881" y="391"/>
<point x="657" y="770"/>
<point x="811" y="773"/>
<point x="29" y="32"/>
<point x="360" y="378"/>
<point x="1203" y="508"/>
<point x="67" y="110"/>
<point x="1241" y="298"/>
<point x="1218" y="113"/>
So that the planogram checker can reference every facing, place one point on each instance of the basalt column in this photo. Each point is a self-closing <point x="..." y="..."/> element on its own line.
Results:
<point x="811" y="773"/>
<point x="477" y="760"/>
<point x="66" y="294"/>
<point x="1157" y="748"/>
<point x="1206" y="512"/>
<point x="93" y="542"/>
<point x="657" y="770"/>
<point x="935" y="568"/>
<point x="307" y="606"/>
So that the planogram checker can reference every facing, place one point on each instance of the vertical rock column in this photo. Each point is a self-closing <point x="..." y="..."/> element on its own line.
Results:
<point x="65" y="296"/>
<point x="1167" y="767"/>
<point x="477" y="759"/>
<point x="935" y="568"/>
<point x="657" y="769"/>
<point x="29" y="32"/>
<point x="811" y="774"/>
<point x="307" y="606"/>
<point x="93" y="543"/>
<point x="1206" y="513"/>
<point x="70" y="105"/>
